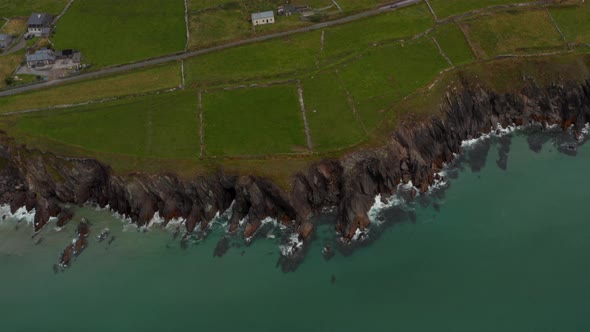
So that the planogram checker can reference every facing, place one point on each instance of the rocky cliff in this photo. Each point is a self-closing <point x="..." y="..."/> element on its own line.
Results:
<point x="415" y="152"/>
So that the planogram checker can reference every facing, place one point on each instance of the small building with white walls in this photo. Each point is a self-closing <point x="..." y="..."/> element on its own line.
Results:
<point x="263" y="18"/>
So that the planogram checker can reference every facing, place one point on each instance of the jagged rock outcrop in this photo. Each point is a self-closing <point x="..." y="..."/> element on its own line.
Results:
<point x="414" y="153"/>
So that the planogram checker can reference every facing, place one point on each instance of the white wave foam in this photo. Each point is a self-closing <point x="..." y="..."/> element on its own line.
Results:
<point x="499" y="131"/>
<point x="380" y="205"/>
<point x="293" y="245"/>
<point x="20" y="214"/>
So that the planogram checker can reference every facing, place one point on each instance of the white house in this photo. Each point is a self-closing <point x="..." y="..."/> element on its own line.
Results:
<point x="263" y="18"/>
<point x="39" y="24"/>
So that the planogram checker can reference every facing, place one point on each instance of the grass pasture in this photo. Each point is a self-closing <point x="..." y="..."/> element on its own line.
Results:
<point x="513" y="32"/>
<point x="110" y="32"/>
<point x="254" y="121"/>
<point x="389" y="73"/>
<point x="161" y="126"/>
<point x="270" y="59"/>
<point x="574" y="22"/>
<point x="15" y="26"/>
<point x="452" y="41"/>
<point x="147" y="80"/>
<point x="445" y="8"/>
<point x="12" y="8"/>
<point x="8" y="64"/>
<point x="349" y="38"/>
<point x="332" y="122"/>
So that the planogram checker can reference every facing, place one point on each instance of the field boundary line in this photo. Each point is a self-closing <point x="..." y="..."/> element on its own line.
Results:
<point x="351" y="104"/>
<point x="201" y="126"/>
<point x="337" y="5"/>
<point x="557" y="27"/>
<point x="440" y="50"/>
<point x="182" y="73"/>
<point x="431" y="10"/>
<point x="186" y="23"/>
<point x="476" y="53"/>
<point x="91" y="102"/>
<point x="63" y="12"/>
<point x="322" y="40"/>
<point x="304" y="115"/>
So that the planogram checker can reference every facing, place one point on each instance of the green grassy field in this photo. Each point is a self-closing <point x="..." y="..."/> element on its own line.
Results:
<point x="389" y="73"/>
<point x="8" y="64"/>
<point x="11" y="8"/>
<point x="495" y="34"/>
<point x="445" y="8"/>
<point x="110" y="32"/>
<point x="331" y="120"/>
<point x="574" y="22"/>
<point x="452" y="41"/>
<point x="151" y="79"/>
<point x="359" y="35"/>
<point x="230" y="21"/>
<point x="156" y="126"/>
<point x="269" y="59"/>
<point x="255" y="121"/>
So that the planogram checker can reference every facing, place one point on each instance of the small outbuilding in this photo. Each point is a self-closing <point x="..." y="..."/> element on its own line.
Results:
<point x="42" y="58"/>
<point x="263" y="18"/>
<point x="39" y="24"/>
<point x="5" y="40"/>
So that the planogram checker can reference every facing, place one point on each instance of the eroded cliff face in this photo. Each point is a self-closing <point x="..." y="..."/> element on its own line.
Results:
<point x="414" y="153"/>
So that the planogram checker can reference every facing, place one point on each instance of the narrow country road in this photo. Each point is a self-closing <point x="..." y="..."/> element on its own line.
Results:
<point x="185" y="55"/>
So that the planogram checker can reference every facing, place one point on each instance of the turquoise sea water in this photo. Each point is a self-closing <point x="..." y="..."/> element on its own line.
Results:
<point x="502" y="251"/>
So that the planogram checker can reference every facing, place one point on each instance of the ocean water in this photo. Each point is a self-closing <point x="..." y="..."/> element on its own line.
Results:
<point x="499" y="250"/>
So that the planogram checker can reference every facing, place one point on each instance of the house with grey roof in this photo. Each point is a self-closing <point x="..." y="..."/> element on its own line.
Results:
<point x="39" y="24"/>
<point x="5" y="40"/>
<point x="263" y="18"/>
<point x="42" y="58"/>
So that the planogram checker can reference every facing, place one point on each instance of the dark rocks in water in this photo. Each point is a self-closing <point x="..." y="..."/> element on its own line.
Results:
<point x="64" y="217"/>
<point x="333" y="279"/>
<point x="503" y="150"/>
<point x="111" y="240"/>
<point x="104" y="234"/>
<point x="222" y="247"/>
<point x="328" y="252"/>
<point x="75" y="249"/>
<point x="414" y="153"/>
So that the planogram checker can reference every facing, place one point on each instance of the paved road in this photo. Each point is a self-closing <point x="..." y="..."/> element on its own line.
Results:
<point x="185" y="55"/>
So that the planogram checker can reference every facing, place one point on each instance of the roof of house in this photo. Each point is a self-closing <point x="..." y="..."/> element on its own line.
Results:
<point x="38" y="18"/>
<point x="263" y="15"/>
<point x="41" y="55"/>
<point x="4" y="37"/>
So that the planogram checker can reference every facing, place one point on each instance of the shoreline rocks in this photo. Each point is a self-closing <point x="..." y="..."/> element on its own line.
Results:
<point x="414" y="153"/>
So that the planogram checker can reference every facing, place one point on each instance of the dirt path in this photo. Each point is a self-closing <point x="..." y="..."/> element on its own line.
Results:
<point x="304" y="115"/>
<point x="440" y="50"/>
<point x="351" y="103"/>
<point x="186" y="22"/>
<point x="431" y="10"/>
<point x="557" y="28"/>
<point x="337" y="5"/>
<point x="201" y="127"/>
<point x="63" y="12"/>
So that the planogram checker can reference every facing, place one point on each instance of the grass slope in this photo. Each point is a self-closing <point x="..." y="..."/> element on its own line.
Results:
<point x="445" y="8"/>
<point x="11" y="8"/>
<point x="254" y="121"/>
<point x="331" y="120"/>
<point x="574" y="22"/>
<point x="495" y="34"/>
<point x="152" y="79"/>
<point x="389" y="73"/>
<point x="452" y="41"/>
<point x="155" y="126"/>
<point x="110" y="32"/>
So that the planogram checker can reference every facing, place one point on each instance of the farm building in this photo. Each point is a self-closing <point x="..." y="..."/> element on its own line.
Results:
<point x="39" y="24"/>
<point x="288" y="10"/>
<point x="41" y="58"/>
<point x="263" y="18"/>
<point x="5" y="40"/>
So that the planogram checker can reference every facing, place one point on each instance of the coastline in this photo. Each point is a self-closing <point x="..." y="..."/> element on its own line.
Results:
<point x="413" y="158"/>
